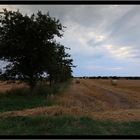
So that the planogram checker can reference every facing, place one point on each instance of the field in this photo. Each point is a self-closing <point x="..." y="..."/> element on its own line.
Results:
<point x="100" y="100"/>
<point x="90" y="107"/>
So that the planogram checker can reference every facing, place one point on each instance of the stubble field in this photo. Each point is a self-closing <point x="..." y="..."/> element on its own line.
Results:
<point x="95" y="98"/>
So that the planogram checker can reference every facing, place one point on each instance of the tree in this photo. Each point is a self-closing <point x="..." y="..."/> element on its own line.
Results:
<point x="60" y="64"/>
<point x="28" y="44"/>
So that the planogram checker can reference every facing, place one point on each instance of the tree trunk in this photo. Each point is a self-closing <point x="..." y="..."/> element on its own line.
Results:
<point x="32" y="83"/>
<point x="50" y="79"/>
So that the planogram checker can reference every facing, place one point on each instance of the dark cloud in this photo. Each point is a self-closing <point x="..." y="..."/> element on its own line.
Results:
<point x="94" y="43"/>
<point x="125" y="29"/>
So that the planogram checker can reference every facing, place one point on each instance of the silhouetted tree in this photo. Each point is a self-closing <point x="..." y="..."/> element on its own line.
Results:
<point x="28" y="44"/>
<point x="60" y="68"/>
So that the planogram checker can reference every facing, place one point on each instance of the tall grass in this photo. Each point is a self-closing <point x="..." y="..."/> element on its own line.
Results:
<point x="24" y="98"/>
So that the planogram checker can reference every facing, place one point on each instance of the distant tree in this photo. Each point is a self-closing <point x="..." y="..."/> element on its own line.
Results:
<point x="28" y="44"/>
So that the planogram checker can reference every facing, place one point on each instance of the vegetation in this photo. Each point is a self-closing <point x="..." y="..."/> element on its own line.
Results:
<point x="23" y="98"/>
<point x="28" y="44"/>
<point x="110" y="77"/>
<point x="65" y="125"/>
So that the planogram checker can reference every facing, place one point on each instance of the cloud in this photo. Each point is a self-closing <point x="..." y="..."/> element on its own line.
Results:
<point x="86" y="39"/>
<point x="8" y="7"/>
<point x="120" y="52"/>
<point x="102" y="68"/>
<point x="103" y="36"/>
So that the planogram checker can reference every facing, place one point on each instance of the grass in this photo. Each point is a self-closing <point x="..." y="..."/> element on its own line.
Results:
<point x="18" y="99"/>
<point x="23" y="98"/>
<point x="65" y="125"/>
<point x="23" y="102"/>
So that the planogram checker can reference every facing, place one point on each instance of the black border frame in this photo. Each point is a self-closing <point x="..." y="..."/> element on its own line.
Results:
<point x="72" y="2"/>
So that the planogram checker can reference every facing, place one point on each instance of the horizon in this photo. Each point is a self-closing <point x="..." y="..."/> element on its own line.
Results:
<point x="106" y="76"/>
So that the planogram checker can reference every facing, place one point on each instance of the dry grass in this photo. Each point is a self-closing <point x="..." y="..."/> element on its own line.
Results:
<point x="4" y="86"/>
<point x="49" y="111"/>
<point x="127" y="85"/>
<point x="120" y="115"/>
<point x="101" y="100"/>
<point x="95" y="98"/>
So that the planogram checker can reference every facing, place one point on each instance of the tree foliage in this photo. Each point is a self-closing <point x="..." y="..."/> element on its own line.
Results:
<point x="28" y="43"/>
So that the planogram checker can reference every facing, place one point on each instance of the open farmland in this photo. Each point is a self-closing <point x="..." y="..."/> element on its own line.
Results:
<point x="95" y="98"/>
<point x="101" y="100"/>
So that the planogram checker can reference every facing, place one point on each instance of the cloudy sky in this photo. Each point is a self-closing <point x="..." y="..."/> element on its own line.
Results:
<point x="104" y="39"/>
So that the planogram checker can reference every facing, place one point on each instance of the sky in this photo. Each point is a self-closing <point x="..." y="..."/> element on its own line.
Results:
<point x="104" y="40"/>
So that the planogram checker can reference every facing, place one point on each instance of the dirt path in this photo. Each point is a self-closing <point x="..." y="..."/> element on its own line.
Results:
<point x="116" y="99"/>
<point x="96" y="98"/>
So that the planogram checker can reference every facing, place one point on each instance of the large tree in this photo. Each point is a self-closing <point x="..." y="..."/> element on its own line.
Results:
<point x="27" y="42"/>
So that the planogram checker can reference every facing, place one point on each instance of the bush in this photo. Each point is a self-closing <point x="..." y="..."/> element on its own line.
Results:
<point x="41" y="89"/>
<point x="18" y="91"/>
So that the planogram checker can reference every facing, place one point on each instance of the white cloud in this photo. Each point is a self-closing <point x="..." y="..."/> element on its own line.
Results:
<point x="121" y="52"/>
<point x="77" y="37"/>
<point x="8" y="7"/>
<point x="102" y="68"/>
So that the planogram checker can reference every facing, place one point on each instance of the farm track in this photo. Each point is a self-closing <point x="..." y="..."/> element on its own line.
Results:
<point x="102" y="101"/>
<point x="97" y="98"/>
<point x="90" y="98"/>
<point x="116" y="99"/>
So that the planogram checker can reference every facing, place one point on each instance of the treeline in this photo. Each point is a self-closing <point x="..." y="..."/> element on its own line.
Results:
<point x="28" y="44"/>
<point x="110" y="77"/>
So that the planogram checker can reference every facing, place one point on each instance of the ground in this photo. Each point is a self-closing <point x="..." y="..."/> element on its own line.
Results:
<point x="97" y="99"/>
<point x="101" y="100"/>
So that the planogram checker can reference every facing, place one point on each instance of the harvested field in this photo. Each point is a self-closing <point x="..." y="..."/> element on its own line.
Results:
<point x="103" y="101"/>
<point x="5" y="86"/>
<point x="94" y="98"/>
